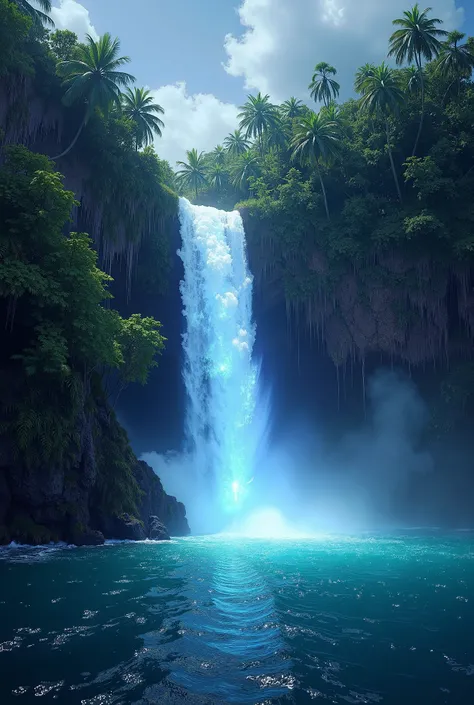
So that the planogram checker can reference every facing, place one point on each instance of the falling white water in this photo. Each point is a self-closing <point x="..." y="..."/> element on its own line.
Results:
<point x="220" y="377"/>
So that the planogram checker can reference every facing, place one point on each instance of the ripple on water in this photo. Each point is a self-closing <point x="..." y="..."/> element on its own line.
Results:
<point x="218" y="620"/>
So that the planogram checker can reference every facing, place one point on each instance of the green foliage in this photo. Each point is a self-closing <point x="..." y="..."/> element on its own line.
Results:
<point x="39" y="15"/>
<point x="381" y="91"/>
<point x="116" y="487"/>
<point x="138" y="106"/>
<point x="323" y="88"/>
<point x="192" y="174"/>
<point x="14" y="30"/>
<point x="423" y="225"/>
<point x="373" y="138"/>
<point x="258" y="115"/>
<point x="52" y="295"/>
<point x="64" y="44"/>
<point x="236" y="143"/>
<point x="427" y="178"/>
<point x="93" y="77"/>
<point x="292" y="108"/>
<point x="140" y="341"/>
<point x="418" y="37"/>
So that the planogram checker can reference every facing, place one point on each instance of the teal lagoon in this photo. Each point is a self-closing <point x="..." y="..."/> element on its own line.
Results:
<point x="211" y="620"/>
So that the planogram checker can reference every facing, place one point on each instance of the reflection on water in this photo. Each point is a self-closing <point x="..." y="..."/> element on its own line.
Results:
<point x="215" y="620"/>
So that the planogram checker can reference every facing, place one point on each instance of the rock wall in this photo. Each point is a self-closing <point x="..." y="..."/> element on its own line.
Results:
<point x="39" y="504"/>
<point x="408" y="306"/>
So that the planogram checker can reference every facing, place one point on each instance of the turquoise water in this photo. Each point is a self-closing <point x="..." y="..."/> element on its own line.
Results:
<point x="215" y="620"/>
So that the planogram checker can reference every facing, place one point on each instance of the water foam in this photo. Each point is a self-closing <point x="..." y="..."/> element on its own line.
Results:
<point x="223" y="429"/>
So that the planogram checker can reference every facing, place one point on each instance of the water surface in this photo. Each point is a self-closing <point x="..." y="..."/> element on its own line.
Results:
<point x="225" y="620"/>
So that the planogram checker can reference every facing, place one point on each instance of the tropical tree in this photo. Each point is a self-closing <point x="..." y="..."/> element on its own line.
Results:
<point x="414" y="79"/>
<point x="63" y="44"/>
<point x="323" y="88"/>
<point x="292" y="108"/>
<point x="362" y="74"/>
<point x="39" y="16"/>
<point x="245" y="167"/>
<point x="236" y="143"/>
<point x="331" y="111"/>
<point x="417" y="39"/>
<point x="140" y="342"/>
<point x="193" y="174"/>
<point x="217" y="176"/>
<point x="138" y="106"/>
<point x="382" y="96"/>
<point x="317" y="140"/>
<point x="257" y="116"/>
<point x="218" y="155"/>
<point x="92" y="78"/>
<point x="277" y="135"/>
<point x="456" y="60"/>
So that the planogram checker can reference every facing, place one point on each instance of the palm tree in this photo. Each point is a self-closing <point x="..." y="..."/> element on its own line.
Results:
<point x="363" y="73"/>
<point x="257" y="116"/>
<point x="236" y="144"/>
<point x="194" y="172"/>
<point x="417" y="39"/>
<point x="331" y="111"/>
<point x="277" y="135"/>
<point x="39" y="17"/>
<point x="382" y="96"/>
<point x="292" y="108"/>
<point x="456" y="60"/>
<point x="218" y="155"/>
<point x="324" y="88"/>
<point x="244" y="168"/>
<point x="92" y="78"/>
<point x="138" y="106"/>
<point x="414" y="78"/>
<point x="217" y="176"/>
<point x="316" y="140"/>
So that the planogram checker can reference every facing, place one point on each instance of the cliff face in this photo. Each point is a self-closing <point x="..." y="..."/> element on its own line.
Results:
<point x="409" y="306"/>
<point x="99" y="489"/>
<point x="95" y="494"/>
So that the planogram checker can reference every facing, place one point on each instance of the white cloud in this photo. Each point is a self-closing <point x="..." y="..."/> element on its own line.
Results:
<point x="75" y="17"/>
<point x="200" y="120"/>
<point x="284" y="39"/>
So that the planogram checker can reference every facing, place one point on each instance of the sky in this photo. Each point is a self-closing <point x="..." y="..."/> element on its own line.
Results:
<point x="202" y="57"/>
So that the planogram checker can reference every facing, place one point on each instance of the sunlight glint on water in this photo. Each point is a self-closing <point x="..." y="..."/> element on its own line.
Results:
<point x="211" y="620"/>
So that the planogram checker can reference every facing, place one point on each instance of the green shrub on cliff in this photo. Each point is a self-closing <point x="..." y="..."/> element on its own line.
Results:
<point x="128" y="194"/>
<point x="14" y="29"/>
<point x="58" y="330"/>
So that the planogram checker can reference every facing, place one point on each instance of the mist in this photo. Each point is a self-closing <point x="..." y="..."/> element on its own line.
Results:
<point x="305" y="485"/>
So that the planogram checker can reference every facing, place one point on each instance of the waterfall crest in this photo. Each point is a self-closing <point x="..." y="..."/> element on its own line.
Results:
<point x="220" y="377"/>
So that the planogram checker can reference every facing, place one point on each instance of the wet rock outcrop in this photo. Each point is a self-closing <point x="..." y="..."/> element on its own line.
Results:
<point x="75" y="502"/>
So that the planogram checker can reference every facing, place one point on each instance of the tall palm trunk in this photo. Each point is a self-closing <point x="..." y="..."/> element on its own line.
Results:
<point x="392" y="163"/>
<point x="81" y="127"/>
<point x="323" y="189"/>
<point x="422" y="117"/>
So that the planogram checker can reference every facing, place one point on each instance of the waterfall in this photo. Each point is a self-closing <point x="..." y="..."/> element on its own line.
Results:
<point x="220" y="377"/>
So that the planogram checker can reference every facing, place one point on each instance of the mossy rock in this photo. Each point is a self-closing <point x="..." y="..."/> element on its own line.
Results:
<point x="84" y="536"/>
<point x="24" y="530"/>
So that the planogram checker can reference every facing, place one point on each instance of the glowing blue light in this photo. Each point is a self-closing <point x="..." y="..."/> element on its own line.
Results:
<point x="235" y="490"/>
<point x="220" y="375"/>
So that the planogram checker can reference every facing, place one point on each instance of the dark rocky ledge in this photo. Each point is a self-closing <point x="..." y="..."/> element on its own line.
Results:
<point x="40" y="504"/>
